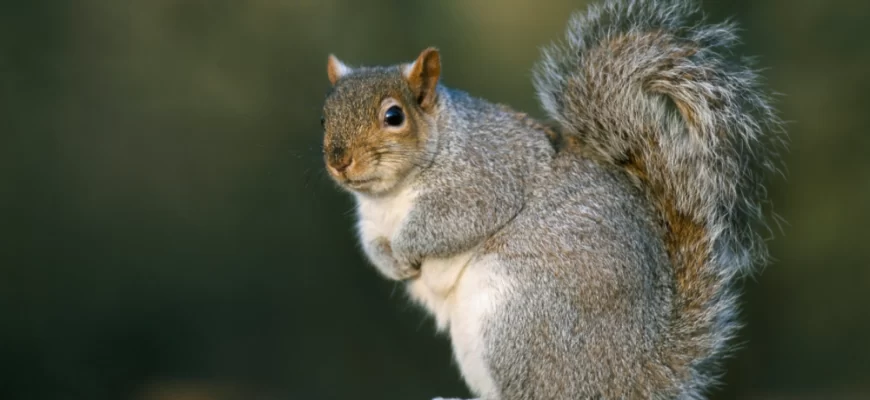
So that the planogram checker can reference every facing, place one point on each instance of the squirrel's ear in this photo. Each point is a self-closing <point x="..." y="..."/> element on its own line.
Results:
<point x="422" y="76"/>
<point x="336" y="69"/>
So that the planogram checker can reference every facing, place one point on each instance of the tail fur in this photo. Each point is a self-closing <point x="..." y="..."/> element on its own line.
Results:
<point x="647" y="85"/>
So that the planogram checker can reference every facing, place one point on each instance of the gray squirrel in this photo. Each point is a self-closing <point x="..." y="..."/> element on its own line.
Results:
<point x="594" y="257"/>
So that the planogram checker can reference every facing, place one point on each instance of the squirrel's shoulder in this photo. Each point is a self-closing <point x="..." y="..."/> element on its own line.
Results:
<point x="486" y="120"/>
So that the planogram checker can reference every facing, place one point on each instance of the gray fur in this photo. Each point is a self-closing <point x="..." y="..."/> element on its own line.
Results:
<point x="478" y="179"/>
<point x="592" y="289"/>
<point x="618" y="239"/>
<point x="635" y="73"/>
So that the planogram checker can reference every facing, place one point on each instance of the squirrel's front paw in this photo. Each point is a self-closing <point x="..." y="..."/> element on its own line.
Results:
<point x="393" y="268"/>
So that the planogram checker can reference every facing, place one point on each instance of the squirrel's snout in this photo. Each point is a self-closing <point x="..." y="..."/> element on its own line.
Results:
<point x="338" y="160"/>
<point x="341" y="164"/>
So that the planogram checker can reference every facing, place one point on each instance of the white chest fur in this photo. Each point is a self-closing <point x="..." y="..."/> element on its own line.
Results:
<point x="382" y="216"/>
<point x="458" y="296"/>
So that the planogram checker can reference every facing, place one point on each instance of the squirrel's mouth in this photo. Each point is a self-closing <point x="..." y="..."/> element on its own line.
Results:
<point x="356" y="183"/>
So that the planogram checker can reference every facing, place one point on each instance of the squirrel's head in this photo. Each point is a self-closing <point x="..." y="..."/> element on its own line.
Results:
<point x="377" y="121"/>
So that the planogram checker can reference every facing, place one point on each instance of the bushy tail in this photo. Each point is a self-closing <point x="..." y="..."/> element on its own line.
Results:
<point x="647" y="85"/>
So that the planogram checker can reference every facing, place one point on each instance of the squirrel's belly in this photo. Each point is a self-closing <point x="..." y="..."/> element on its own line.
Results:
<point x="461" y="292"/>
<point x="437" y="280"/>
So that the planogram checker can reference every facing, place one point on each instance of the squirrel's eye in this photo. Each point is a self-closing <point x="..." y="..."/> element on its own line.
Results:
<point x="322" y="121"/>
<point x="394" y="116"/>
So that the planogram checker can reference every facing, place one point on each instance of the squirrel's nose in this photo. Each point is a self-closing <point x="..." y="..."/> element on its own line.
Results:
<point x="341" y="164"/>
<point x="338" y="159"/>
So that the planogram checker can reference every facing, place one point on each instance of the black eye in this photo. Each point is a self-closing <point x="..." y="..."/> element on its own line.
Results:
<point x="322" y="121"/>
<point x="394" y="116"/>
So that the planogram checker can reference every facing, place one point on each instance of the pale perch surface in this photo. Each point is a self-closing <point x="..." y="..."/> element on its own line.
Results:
<point x="441" y="398"/>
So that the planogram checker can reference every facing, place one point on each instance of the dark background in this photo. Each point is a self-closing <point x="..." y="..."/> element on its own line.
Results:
<point x="167" y="231"/>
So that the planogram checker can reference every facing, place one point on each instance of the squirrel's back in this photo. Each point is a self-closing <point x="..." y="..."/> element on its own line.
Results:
<point x="648" y="87"/>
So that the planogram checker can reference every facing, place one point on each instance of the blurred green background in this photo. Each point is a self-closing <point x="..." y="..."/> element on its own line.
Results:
<point x="167" y="231"/>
